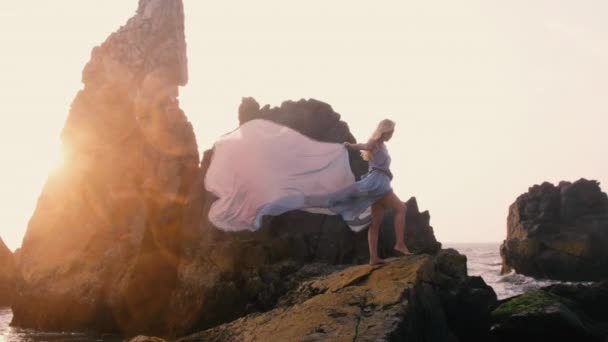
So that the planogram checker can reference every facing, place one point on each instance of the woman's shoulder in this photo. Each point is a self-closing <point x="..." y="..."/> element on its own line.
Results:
<point x="374" y="144"/>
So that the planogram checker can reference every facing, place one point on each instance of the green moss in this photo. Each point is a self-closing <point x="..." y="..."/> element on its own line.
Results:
<point x="531" y="302"/>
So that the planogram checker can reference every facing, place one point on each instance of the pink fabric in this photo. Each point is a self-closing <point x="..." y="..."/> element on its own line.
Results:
<point x="263" y="161"/>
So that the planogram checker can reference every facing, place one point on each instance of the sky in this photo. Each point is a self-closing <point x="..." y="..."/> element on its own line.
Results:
<point x="490" y="97"/>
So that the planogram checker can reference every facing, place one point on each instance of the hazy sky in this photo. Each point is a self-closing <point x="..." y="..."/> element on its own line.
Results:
<point x="490" y="97"/>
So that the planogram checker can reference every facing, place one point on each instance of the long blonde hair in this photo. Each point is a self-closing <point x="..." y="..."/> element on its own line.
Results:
<point x="384" y="126"/>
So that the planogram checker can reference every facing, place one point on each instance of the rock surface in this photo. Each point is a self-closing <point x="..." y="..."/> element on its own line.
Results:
<point x="418" y="298"/>
<point x="555" y="313"/>
<point x="7" y="275"/>
<point x="319" y="121"/>
<point x="251" y="270"/>
<point x="558" y="232"/>
<point x="120" y="241"/>
<point x="102" y="247"/>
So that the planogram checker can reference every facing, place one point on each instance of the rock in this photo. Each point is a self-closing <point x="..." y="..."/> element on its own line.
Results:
<point x="102" y="248"/>
<point x="558" y="232"/>
<point x="7" y="276"/>
<point x="120" y="241"/>
<point x="312" y="118"/>
<point x="558" y="312"/>
<point x="142" y="338"/>
<point x="223" y="276"/>
<point x="250" y="270"/>
<point x="319" y="121"/>
<point x="401" y="300"/>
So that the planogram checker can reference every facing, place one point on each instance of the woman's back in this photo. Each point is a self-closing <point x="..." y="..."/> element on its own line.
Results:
<point x="380" y="159"/>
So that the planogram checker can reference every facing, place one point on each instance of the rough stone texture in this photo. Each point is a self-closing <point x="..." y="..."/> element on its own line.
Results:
<point x="7" y="275"/>
<point x="120" y="240"/>
<point x="402" y="300"/>
<point x="554" y="313"/>
<point x="558" y="232"/>
<point x="224" y="276"/>
<point x="249" y="269"/>
<point x="147" y="339"/>
<point x="319" y="121"/>
<point x="102" y="247"/>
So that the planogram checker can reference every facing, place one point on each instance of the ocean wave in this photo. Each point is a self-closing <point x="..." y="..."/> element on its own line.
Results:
<point x="484" y="260"/>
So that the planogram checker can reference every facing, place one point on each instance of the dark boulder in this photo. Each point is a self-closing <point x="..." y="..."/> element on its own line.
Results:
<point x="251" y="270"/>
<point x="418" y="298"/>
<point x="554" y="313"/>
<point x="558" y="232"/>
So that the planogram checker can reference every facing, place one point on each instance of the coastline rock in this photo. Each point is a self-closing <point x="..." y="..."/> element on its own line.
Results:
<point x="251" y="270"/>
<point x="7" y="275"/>
<point x="554" y="313"/>
<point x="558" y="232"/>
<point x="120" y="241"/>
<point x="102" y="248"/>
<point x="319" y="121"/>
<point x="402" y="300"/>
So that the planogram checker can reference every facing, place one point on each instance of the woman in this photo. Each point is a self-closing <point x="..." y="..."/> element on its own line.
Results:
<point x="376" y="186"/>
<point x="286" y="170"/>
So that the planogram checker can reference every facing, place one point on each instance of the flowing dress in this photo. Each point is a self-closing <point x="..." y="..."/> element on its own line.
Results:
<point x="266" y="169"/>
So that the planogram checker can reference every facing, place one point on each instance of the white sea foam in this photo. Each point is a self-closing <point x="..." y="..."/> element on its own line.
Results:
<point x="483" y="259"/>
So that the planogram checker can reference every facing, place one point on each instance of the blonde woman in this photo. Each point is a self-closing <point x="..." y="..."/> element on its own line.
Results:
<point x="303" y="174"/>
<point x="376" y="188"/>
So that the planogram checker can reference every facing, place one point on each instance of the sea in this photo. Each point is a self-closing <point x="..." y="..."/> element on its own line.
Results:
<point x="483" y="259"/>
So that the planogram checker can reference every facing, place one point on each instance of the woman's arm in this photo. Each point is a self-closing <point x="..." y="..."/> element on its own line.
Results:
<point x="368" y="146"/>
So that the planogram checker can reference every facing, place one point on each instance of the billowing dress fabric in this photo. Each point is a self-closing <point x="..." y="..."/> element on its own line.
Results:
<point x="266" y="169"/>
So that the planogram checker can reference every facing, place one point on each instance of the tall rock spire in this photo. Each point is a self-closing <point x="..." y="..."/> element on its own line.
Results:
<point x="101" y="248"/>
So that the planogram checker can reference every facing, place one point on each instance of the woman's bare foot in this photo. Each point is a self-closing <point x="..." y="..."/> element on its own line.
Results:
<point x="377" y="261"/>
<point x="403" y="250"/>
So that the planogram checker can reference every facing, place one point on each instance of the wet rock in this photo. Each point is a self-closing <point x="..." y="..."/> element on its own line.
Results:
<point x="557" y="312"/>
<point x="401" y="300"/>
<point x="558" y="232"/>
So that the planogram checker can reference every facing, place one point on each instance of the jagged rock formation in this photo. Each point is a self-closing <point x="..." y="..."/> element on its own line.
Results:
<point x="318" y="121"/>
<point x="7" y="275"/>
<point x="558" y="232"/>
<point x="102" y="247"/>
<point x="554" y="313"/>
<point x="419" y="298"/>
<point x="120" y="239"/>
<point x="249" y="269"/>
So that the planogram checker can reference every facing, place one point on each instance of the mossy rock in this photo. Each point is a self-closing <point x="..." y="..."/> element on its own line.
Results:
<point x="542" y="316"/>
<point x="533" y="302"/>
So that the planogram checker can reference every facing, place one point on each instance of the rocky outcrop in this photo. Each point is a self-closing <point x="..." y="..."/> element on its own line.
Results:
<point x="312" y="118"/>
<point x="319" y="121"/>
<point x="555" y="313"/>
<point x="558" y="232"/>
<point x="102" y="248"/>
<point x="250" y="270"/>
<point x="419" y="298"/>
<point x="7" y="275"/>
<point x="120" y="239"/>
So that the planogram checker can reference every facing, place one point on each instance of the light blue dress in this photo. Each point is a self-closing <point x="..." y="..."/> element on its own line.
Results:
<point x="353" y="203"/>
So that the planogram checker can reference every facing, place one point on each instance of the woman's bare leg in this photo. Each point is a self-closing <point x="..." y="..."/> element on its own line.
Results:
<point x="391" y="200"/>
<point x="373" y="231"/>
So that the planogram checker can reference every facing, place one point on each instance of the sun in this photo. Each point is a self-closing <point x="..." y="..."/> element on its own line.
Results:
<point x="58" y="160"/>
